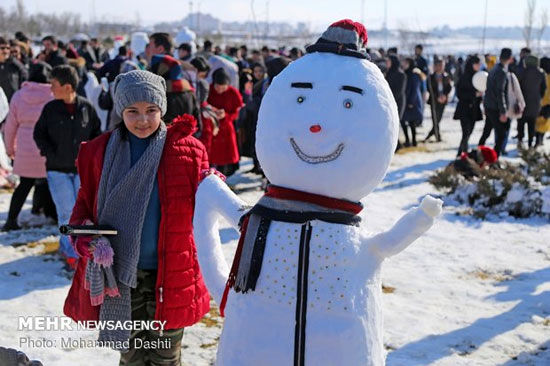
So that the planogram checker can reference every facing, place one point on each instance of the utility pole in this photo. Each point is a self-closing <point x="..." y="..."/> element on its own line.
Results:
<point x="363" y="12"/>
<point x="386" y="24"/>
<point x="266" y="19"/>
<point x="484" y="29"/>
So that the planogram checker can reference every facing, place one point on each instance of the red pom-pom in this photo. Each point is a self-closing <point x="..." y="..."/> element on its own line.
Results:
<point x="489" y="155"/>
<point x="186" y="123"/>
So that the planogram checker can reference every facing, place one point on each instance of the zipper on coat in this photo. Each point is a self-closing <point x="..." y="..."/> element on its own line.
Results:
<point x="301" y="298"/>
<point x="160" y="271"/>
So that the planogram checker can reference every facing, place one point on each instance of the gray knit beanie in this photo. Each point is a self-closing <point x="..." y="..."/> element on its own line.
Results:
<point x="139" y="86"/>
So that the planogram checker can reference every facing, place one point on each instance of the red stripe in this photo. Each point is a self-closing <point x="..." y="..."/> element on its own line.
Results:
<point x="235" y="267"/>
<point x="328" y="202"/>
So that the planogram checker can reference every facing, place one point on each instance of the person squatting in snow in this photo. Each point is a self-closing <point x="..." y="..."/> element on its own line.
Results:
<point x="304" y="287"/>
<point x="141" y="179"/>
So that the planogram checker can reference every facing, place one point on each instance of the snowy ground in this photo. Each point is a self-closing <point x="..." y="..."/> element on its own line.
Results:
<point x="468" y="292"/>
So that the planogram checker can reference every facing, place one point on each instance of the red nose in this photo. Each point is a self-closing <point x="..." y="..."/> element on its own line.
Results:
<point x="315" y="128"/>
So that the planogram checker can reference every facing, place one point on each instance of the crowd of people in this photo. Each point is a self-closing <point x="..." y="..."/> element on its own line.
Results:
<point x="223" y="89"/>
<point x="516" y="89"/>
<point x="148" y="110"/>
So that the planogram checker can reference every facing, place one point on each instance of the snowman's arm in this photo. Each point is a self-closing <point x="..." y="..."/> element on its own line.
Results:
<point x="409" y="228"/>
<point x="214" y="198"/>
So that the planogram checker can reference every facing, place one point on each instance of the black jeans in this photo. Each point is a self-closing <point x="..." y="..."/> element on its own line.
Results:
<point x="467" y="129"/>
<point x="42" y="198"/>
<point x="412" y="125"/>
<point x="530" y="121"/>
<point x="437" y="115"/>
<point x="501" y="130"/>
<point x="487" y="128"/>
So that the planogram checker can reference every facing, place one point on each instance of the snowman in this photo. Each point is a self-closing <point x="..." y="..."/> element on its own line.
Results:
<point x="304" y="287"/>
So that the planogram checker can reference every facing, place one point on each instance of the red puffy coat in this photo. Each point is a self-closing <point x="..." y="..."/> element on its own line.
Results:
<point x="181" y="295"/>
<point x="224" y="148"/>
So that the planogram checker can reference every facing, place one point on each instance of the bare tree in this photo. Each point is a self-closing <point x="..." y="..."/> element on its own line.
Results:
<point x="529" y="21"/>
<point x="542" y="27"/>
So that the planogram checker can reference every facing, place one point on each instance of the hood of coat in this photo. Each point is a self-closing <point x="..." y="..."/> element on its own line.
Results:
<point x="531" y="61"/>
<point x="35" y="93"/>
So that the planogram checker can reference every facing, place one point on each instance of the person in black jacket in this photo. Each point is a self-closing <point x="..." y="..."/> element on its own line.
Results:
<point x="12" y="72"/>
<point x="179" y="93"/>
<point x="468" y="109"/>
<point x="63" y="124"/>
<point x="398" y="82"/>
<point x="496" y="102"/>
<point x="52" y="53"/>
<point x="533" y="86"/>
<point x="439" y="87"/>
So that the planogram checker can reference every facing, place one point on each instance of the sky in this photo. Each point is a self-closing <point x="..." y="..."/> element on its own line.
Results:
<point x="412" y="14"/>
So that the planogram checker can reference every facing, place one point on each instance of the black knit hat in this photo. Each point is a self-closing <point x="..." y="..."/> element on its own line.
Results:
<point x="344" y="37"/>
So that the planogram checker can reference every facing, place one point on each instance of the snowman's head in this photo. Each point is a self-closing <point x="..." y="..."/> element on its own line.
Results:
<point x="328" y="124"/>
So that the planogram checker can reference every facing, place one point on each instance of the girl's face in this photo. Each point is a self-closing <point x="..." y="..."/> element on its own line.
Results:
<point x="142" y="119"/>
<point x="221" y="88"/>
<point x="477" y="66"/>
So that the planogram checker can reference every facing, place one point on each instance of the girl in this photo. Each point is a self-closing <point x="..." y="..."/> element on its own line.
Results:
<point x="26" y="106"/>
<point x="468" y="109"/>
<point x="413" y="116"/>
<point x="227" y="101"/>
<point x="141" y="180"/>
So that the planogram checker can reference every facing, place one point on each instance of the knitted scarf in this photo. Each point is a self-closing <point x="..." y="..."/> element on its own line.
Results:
<point x="123" y="196"/>
<point x="99" y="277"/>
<point x="286" y="205"/>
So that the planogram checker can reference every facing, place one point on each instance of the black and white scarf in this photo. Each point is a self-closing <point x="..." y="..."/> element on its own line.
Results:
<point x="286" y="205"/>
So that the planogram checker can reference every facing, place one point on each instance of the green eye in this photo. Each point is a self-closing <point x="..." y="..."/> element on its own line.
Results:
<point x="300" y="99"/>
<point x="348" y="104"/>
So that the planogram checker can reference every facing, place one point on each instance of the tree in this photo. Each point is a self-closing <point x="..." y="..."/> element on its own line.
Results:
<point x="529" y="21"/>
<point x="542" y="27"/>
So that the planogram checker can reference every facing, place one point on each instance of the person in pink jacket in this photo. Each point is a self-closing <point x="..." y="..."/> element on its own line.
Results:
<point x="25" y="108"/>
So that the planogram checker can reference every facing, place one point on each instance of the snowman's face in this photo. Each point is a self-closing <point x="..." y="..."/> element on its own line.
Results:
<point x="328" y="124"/>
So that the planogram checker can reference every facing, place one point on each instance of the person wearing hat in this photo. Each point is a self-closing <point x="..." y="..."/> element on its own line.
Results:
<point x="26" y="105"/>
<point x="227" y="101"/>
<point x="141" y="179"/>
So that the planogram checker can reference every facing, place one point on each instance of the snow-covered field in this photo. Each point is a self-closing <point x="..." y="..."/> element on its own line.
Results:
<point x="469" y="292"/>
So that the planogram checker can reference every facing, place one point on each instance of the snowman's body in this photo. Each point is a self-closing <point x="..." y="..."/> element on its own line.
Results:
<point x="334" y="295"/>
<point x="328" y="125"/>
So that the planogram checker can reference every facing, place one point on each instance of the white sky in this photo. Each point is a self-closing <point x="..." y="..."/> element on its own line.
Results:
<point x="415" y="14"/>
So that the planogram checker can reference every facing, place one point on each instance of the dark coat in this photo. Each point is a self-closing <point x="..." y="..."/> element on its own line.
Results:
<point x="94" y="56"/>
<point x="58" y="134"/>
<point x="413" y="97"/>
<point x="12" y="75"/>
<point x="111" y="68"/>
<point x="56" y="59"/>
<point x="533" y="85"/>
<point x="433" y="87"/>
<point x="398" y="82"/>
<point x="181" y="103"/>
<point x="496" y="95"/>
<point x="468" y="107"/>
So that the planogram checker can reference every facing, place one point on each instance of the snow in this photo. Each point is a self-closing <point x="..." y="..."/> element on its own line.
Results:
<point x="468" y="292"/>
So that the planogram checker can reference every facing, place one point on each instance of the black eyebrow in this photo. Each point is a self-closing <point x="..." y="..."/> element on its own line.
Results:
<point x="302" y="85"/>
<point x="352" y="89"/>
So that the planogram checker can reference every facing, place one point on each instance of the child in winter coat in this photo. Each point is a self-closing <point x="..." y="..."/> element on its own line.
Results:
<point x="63" y="124"/>
<point x="141" y="180"/>
<point x="26" y="106"/>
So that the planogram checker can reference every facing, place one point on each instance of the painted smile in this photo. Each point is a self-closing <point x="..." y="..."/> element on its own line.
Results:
<point x="316" y="159"/>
